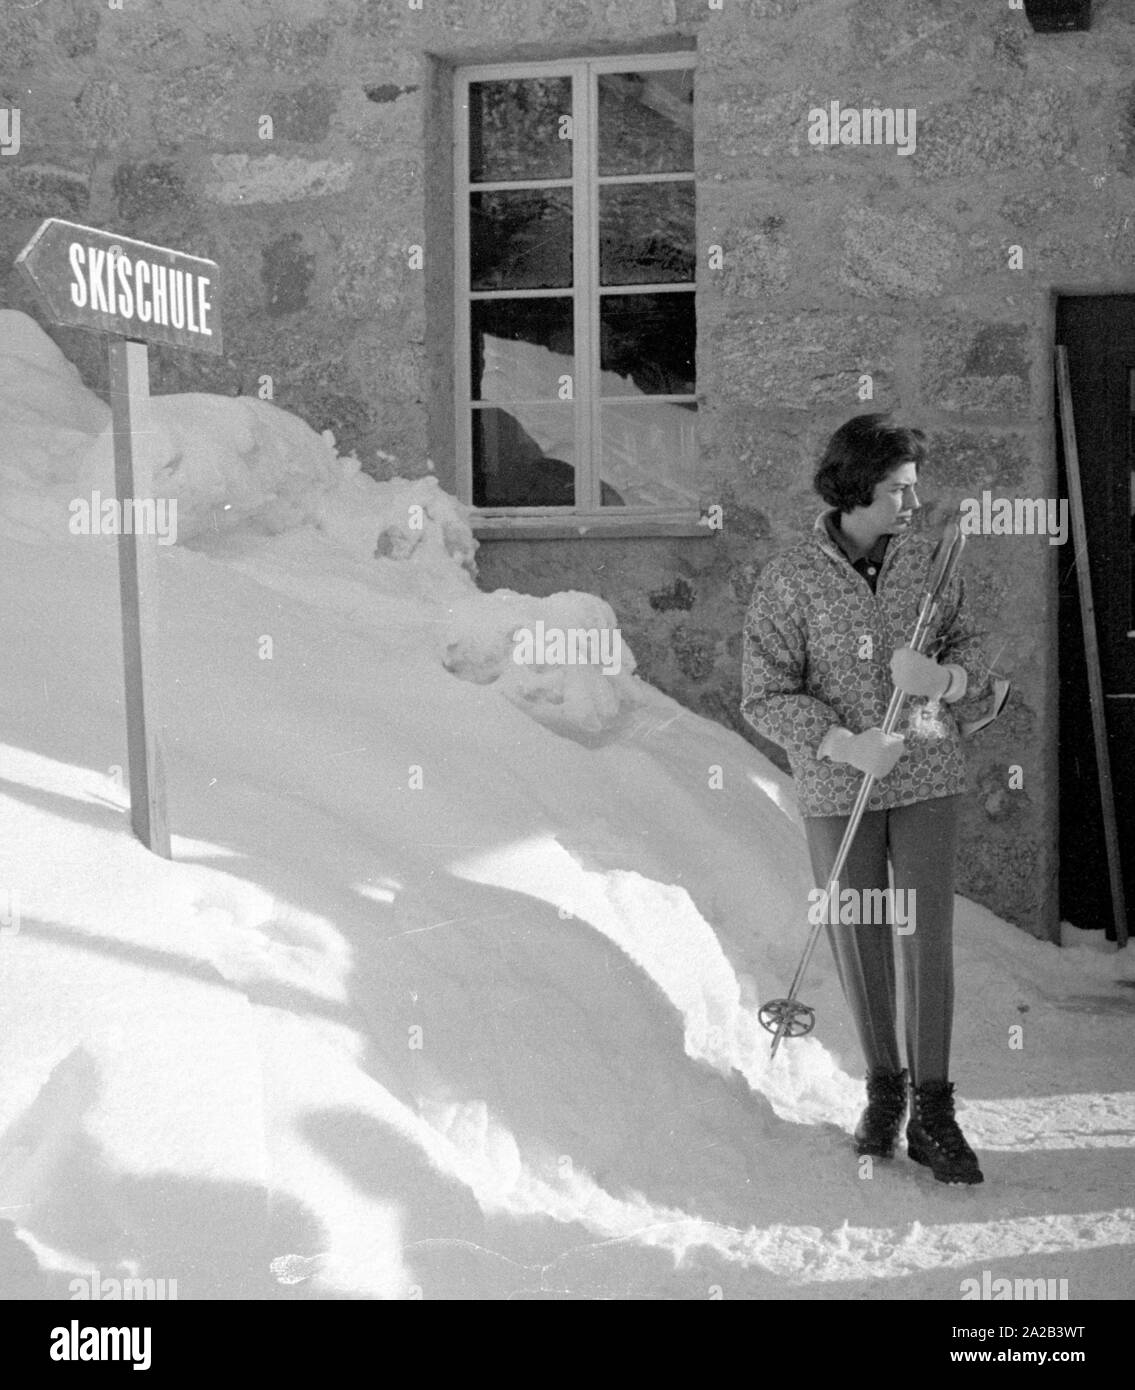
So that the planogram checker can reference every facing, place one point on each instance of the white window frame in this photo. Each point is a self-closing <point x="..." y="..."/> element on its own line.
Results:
<point x="587" y="515"/>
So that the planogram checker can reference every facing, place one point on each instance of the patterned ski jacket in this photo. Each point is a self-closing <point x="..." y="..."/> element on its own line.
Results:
<point x="817" y="653"/>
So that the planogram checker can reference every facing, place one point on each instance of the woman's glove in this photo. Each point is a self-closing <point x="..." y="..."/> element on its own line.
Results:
<point x="872" y="751"/>
<point x="915" y="674"/>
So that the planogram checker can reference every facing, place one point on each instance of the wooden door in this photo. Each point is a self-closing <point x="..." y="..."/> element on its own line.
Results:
<point x="1099" y="333"/>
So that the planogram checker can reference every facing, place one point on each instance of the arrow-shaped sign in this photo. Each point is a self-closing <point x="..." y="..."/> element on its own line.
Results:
<point x="87" y="278"/>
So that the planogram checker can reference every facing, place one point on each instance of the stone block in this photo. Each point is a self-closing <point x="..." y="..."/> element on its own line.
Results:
<point x="390" y="126"/>
<point x="742" y="446"/>
<point x="401" y="430"/>
<point x="680" y="595"/>
<point x="741" y="122"/>
<point x="287" y="271"/>
<point x="962" y="463"/>
<point x="383" y="355"/>
<point x="799" y="361"/>
<point x="241" y="179"/>
<point x="920" y="34"/>
<point x="304" y="114"/>
<point x="687" y="12"/>
<point x="1011" y="48"/>
<point x="371" y="273"/>
<point x="1124" y="139"/>
<point x="348" y="416"/>
<point x="1031" y="207"/>
<point x="735" y="16"/>
<point x="637" y="17"/>
<point x="901" y="255"/>
<point x="150" y="41"/>
<point x="77" y="29"/>
<point x="396" y="24"/>
<point x="148" y="188"/>
<point x="211" y="102"/>
<point x="41" y="35"/>
<point x="1001" y="870"/>
<point x="695" y="650"/>
<point x="49" y="125"/>
<point x="976" y="368"/>
<point x="754" y="10"/>
<point x="559" y="18"/>
<point x="742" y="521"/>
<point x="756" y="262"/>
<point x="1029" y="132"/>
<point x="104" y="116"/>
<point x="44" y="190"/>
<point x="285" y="46"/>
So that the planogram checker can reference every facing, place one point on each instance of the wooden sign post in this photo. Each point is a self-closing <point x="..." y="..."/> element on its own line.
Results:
<point x="136" y="294"/>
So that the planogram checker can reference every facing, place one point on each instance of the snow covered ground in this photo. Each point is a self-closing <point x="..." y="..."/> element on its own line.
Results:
<point x="450" y="989"/>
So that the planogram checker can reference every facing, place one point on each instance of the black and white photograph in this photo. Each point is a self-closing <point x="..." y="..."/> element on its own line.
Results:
<point x="567" y="670"/>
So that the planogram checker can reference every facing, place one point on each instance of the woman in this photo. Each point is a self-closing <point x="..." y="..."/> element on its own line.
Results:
<point x="825" y="643"/>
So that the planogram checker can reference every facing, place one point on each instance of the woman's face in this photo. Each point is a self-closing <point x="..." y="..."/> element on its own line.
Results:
<point x="893" y="505"/>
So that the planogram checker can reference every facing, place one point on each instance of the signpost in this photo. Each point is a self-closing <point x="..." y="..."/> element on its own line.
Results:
<point x="136" y="294"/>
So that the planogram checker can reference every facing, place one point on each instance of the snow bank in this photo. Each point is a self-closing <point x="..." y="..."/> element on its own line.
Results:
<point x="227" y="461"/>
<point x="231" y="464"/>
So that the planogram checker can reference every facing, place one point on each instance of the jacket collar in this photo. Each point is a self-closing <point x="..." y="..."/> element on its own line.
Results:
<point x="823" y="537"/>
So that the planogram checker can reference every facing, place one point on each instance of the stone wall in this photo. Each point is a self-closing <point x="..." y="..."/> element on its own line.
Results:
<point x="837" y="263"/>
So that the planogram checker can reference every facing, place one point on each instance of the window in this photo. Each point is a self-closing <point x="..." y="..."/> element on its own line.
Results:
<point x="575" y="243"/>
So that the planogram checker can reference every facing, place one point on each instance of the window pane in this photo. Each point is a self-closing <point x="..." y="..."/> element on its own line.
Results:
<point x="515" y="129"/>
<point x="647" y="344"/>
<point x="520" y="241"/>
<point x="646" y="233"/>
<point x="649" y="454"/>
<point x="524" y="456"/>
<point x="521" y="349"/>
<point x="646" y="122"/>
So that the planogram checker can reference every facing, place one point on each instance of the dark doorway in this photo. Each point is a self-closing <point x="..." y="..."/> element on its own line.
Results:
<point x="1099" y="333"/>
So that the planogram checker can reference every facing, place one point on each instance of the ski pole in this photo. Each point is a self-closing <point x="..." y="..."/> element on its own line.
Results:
<point x="788" y="1017"/>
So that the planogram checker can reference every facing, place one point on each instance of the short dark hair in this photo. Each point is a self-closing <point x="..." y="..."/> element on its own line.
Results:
<point x="860" y="454"/>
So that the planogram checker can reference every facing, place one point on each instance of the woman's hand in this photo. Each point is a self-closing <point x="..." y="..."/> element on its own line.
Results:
<point x="872" y="751"/>
<point x="918" y="675"/>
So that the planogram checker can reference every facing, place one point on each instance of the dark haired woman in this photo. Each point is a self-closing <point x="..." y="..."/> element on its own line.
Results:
<point x="825" y="642"/>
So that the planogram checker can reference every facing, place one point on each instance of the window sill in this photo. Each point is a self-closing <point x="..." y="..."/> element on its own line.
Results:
<point x="584" y="527"/>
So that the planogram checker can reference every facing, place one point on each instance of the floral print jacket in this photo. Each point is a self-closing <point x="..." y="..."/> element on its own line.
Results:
<point x="817" y="652"/>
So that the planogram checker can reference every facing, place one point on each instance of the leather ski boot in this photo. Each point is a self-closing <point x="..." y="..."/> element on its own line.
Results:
<point x="878" y="1130"/>
<point x="933" y="1136"/>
